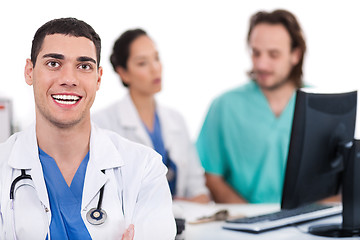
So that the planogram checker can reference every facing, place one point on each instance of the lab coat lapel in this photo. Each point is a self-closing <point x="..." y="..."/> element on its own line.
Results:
<point x="131" y="122"/>
<point x="25" y="155"/>
<point x="103" y="156"/>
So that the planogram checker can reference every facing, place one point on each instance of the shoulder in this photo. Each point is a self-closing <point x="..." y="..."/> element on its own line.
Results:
<point x="169" y="113"/>
<point x="242" y="91"/>
<point x="104" y="113"/>
<point x="110" y="117"/>
<point x="238" y="96"/>
<point x="7" y="147"/>
<point x="140" y="161"/>
<point x="130" y="152"/>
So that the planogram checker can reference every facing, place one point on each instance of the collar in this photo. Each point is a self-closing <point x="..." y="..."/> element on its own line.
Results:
<point x="24" y="154"/>
<point x="127" y="113"/>
<point x="103" y="152"/>
<point x="130" y="118"/>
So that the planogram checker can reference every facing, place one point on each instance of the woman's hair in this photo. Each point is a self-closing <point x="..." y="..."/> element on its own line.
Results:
<point x="121" y="49"/>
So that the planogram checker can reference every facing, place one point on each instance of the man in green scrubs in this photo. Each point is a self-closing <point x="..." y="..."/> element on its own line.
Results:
<point x="244" y="141"/>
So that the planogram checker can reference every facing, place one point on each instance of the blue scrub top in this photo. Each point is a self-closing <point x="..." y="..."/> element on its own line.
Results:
<point x="65" y="201"/>
<point x="159" y="147"/>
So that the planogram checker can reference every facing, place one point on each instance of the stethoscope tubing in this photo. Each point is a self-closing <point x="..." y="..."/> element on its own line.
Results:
<point x="24" y="176"/>
<point x="101" y="195"/>
<point x="16" y="180"/>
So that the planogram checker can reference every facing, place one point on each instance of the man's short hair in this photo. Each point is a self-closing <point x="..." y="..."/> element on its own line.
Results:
<point x="65" y="26"/>
<point x="289" y="21"/>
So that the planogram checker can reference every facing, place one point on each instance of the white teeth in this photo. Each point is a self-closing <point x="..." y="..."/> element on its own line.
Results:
<point x="65" y="102"/>
<point x="66" y="99"/>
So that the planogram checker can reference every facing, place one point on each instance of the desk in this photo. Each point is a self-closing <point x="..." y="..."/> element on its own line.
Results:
<point x="214" y="230"/>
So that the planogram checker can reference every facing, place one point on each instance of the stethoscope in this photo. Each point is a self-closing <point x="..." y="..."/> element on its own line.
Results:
<point x="95" y="216"/>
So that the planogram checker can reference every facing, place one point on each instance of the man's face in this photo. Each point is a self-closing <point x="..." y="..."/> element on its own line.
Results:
<point x="271" y="55"/>
<point x="65" y="80"/>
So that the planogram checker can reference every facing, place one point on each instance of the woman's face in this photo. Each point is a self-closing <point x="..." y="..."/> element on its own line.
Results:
<point x="143" y="73"/>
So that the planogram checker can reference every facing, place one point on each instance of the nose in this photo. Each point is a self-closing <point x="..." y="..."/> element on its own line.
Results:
<point x="68" y="76"/>
<point x="261" y="62"/>
<point x="156" y="66"/>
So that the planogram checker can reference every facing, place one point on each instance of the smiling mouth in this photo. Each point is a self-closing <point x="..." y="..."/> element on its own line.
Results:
<point x="66" y="99"/>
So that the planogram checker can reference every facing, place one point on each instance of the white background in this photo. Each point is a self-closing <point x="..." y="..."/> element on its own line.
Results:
<point x="202" y="46"/>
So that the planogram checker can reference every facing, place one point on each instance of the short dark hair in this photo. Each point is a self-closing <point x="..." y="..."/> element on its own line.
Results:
<point x="289" y="21"/>
<point x="121" y="49"/>
<point x="66" y="26"/>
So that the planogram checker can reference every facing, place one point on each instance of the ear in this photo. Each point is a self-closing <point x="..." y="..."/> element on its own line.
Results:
<point x="123" y="74"/>
<point x="28" y="72"/>
<point x="295" y="56"/>
<point x="100" y="73"/>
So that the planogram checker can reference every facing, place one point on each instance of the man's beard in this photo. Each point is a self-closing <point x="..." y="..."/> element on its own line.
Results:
<point x="274" y="87"/>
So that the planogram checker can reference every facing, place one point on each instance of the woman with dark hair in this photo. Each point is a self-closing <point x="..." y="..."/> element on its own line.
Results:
<point x="140" y="118"/>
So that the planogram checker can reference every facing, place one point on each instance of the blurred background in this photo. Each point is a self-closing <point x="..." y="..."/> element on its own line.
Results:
<point x="202" y="45"/>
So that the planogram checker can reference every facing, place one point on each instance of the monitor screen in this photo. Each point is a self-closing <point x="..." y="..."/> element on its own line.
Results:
<point x="321" y="142"/>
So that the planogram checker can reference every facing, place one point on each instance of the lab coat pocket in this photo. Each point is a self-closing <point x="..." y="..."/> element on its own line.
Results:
<point x="30" y="218"/>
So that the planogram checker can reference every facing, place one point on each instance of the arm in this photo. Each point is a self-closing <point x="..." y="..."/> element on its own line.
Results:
<point x="333" y="199"/>
<point x="153" y="216"/>
<point x="196" y="189"/>
<point x="213" y="154"/>
<point x="221" y="191"/>
<point x="201" y="198"/>
<point x="190" y="181"/>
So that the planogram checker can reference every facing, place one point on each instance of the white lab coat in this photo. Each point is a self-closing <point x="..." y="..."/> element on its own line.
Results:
<point x="136" y="191"/>
<point x="123" y="118"/>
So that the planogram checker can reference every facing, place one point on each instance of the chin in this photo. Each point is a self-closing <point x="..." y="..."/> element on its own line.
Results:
<point x="67" y="121"/>
<point x="265" y="84"/>
<point x="65" y="124"/>
<point x="158" y="89"/>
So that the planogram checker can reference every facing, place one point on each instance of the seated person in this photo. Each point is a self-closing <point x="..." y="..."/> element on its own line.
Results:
<point x="244" y="141"/>
<point x="140" y="118"/>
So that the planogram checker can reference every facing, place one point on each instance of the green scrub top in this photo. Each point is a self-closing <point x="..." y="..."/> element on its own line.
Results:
<point x="244" y="142"/>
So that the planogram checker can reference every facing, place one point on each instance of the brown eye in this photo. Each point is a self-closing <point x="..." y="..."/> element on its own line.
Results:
<point x="141" y="64"/>
<point x="255" y="53"/>
<point x="85" y="66"/>
<point x="53" y="64"/>
<point x="274" y="54"/>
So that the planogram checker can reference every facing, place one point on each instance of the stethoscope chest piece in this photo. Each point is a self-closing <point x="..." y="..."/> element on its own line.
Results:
<point x="96" y="216"/>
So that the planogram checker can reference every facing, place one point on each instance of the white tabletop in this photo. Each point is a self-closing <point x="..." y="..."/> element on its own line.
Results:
<point x="214" y="230"/>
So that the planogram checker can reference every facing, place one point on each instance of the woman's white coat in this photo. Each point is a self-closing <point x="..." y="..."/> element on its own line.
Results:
<point x="123" y="118"/>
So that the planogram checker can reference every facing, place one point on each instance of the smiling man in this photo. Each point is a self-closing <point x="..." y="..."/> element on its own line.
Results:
<point x="68" y="179"/>
<point x="244" y="141"/>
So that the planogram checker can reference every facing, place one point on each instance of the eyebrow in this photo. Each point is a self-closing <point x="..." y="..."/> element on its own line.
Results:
<point x="140" y="57"/>
<point x="62" y="57"/>
<point x="86" y="59"/>
<point x="54" y="55"/>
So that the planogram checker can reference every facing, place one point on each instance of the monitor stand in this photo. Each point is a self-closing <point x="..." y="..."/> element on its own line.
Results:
<point x="350" y="226"/>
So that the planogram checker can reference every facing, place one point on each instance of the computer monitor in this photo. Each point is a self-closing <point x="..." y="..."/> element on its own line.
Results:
<point x="324" y="158"/>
